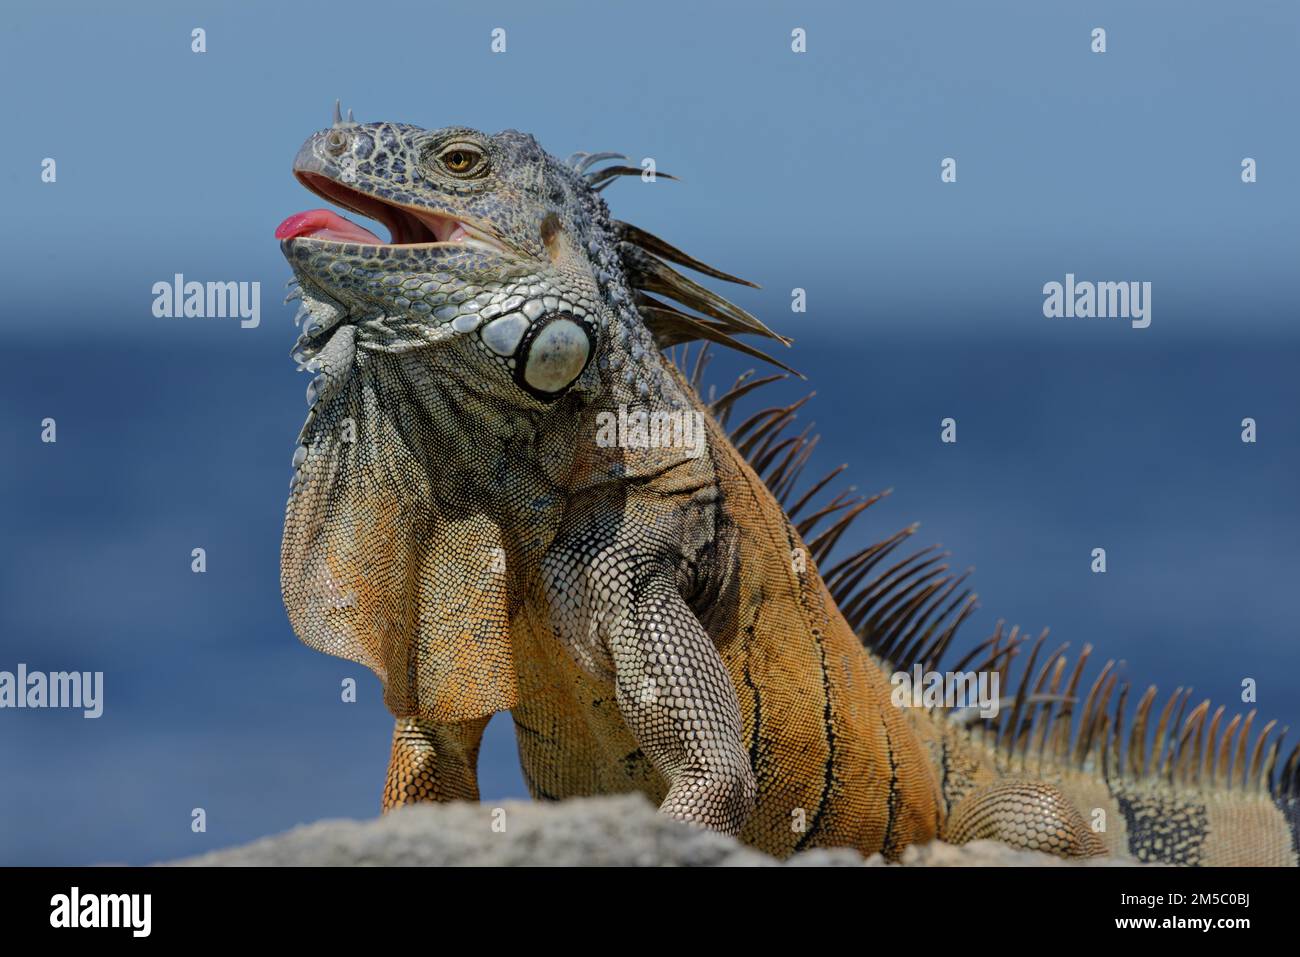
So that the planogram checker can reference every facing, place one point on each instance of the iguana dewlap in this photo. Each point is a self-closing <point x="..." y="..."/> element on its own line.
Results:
<point x="507" y="497"/>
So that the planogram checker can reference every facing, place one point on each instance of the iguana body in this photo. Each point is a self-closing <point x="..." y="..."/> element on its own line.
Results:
<point x="469" y="518"/>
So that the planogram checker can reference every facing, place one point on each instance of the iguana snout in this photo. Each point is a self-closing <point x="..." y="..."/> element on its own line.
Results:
<point x="486" y="250"/>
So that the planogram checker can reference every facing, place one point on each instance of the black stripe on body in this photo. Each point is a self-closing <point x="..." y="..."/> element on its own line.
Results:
<point x="889" y="844"/>
<point x="828" y="717"/>
<point x="758" y="700"/>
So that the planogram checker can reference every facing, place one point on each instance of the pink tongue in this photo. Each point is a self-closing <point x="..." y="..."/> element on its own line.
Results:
<point x="325" y="224"/>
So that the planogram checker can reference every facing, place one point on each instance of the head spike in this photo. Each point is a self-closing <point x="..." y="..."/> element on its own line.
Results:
<point x="1253" y="777"/>
<point x="1222" y="768"/>
<point x="1187" y="759"/>
<point x="1092" y="707"/>
<point x="581" y="162"/>
<point x="670" y="327"/>
<point x="1112" y="756"/>
<point x="601" y="178"/>
<point x="1007" y="738"/>
<point x="1052" y="714"/>
<point x="1065" y="718"/>
<point x="1242" y="742"/>
<point x="1137" y="739"/>
<point x="1206" y="765"/>
<point x="628" y="233"/>
<point x="1175" y="743"/>
<point x="1266" y="774"/>
<point x="1027" y="726"/>
<point x="650" y="274"/>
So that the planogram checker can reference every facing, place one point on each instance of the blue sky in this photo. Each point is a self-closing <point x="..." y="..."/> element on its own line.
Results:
<point x="818" y="170"/>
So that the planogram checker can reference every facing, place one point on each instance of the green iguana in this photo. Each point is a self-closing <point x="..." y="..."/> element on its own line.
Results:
<point x="507" y="496"/>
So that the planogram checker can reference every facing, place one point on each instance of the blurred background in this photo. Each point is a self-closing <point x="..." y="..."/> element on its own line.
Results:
<point x="817" y="170"/>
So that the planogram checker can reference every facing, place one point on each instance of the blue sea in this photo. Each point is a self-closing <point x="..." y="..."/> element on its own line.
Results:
<point x="1065" y="443"/>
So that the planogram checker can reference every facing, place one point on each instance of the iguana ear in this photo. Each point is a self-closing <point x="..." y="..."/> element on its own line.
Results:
<point x="387" y="564"/>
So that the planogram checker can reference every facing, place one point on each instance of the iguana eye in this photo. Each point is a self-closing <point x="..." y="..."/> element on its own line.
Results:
<point x="461" y="160"/>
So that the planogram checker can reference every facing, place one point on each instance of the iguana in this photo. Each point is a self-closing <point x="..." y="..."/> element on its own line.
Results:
<point x="484" y="511"/>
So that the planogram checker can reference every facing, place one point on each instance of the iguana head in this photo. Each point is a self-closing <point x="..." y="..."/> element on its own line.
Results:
<point x="488" y="253"/>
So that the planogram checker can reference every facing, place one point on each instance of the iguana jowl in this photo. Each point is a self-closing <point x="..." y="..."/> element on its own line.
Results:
<point x="654" y="619"/>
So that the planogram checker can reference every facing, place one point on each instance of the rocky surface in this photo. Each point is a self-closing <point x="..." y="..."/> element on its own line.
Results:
<point x="623" y="830"/>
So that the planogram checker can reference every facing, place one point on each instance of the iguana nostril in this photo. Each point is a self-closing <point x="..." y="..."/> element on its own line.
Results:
<point x="336" y="141"/>
<point x="551" y="232"/>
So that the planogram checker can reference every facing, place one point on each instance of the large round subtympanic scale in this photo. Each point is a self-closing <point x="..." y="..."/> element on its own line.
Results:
<point x="556" y="355"/>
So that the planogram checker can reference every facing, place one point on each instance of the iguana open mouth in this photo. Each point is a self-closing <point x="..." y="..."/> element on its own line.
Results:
<point x="406" y="225"/>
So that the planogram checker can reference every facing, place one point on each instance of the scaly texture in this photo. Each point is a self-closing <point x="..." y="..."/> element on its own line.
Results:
<point x="508" y="497"/>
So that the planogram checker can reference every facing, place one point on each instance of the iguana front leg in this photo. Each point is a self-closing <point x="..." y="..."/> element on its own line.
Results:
<point x="677" y="699"/>
<point x="615" y="604"/>
<point x="433" y="761"/>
